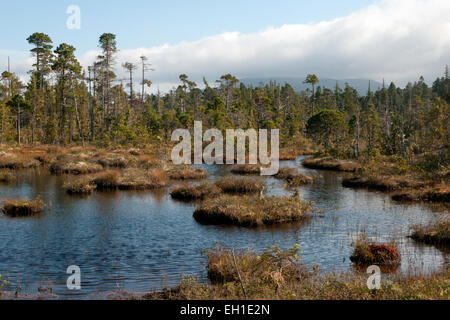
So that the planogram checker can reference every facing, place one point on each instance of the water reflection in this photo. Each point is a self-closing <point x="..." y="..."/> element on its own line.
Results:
<point x="139" y="240"/>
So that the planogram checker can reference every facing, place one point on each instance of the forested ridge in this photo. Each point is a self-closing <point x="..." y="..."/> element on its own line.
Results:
<point x="64" y="104"/>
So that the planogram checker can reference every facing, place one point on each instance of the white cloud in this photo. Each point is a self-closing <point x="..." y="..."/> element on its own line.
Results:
<point x="398" y="40"/>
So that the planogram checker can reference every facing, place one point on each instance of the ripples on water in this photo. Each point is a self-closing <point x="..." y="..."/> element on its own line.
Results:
<point x="141" y="241"/>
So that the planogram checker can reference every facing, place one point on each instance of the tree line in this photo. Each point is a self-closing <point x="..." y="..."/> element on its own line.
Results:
<point x="62" y="103"/>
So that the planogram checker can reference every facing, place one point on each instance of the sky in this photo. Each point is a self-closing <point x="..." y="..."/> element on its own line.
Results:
<point x="398" y="40"/>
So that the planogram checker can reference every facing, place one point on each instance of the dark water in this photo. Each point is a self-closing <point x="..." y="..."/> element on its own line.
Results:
<point x="141" y="241"/>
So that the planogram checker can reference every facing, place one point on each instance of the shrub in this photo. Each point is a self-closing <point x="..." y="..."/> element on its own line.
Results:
<point x="367" y="253"/>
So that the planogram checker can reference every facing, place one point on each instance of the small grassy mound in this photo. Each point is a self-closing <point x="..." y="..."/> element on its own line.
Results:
<point x="381" y="183"/>
<point x="190" y="192"/>
<point x="272" y="266"/>
<point x="436" y="234"/>
<point x="186" y="173"/>
<point x="74" y="164"/>
<point x="251" y="211"/>
<point x="240" y="185"/>
<point x="137" y="179"/>
<point x="369" y="253"/>
<point x="6" y="176"/>
<point x="246" y="169"/>
<point x="107" y="180"/>
<point x="22" y="208"/>
<point x="17" y="161"/>
<point x="79" y="186"/>
<point x="436" y="194"/>
<point x="116" y="161"/>
<point x="331" y="164"/>
<point x="293" y="178"/>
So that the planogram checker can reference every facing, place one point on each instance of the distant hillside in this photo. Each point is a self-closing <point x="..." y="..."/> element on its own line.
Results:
<point x="297" y="83"/>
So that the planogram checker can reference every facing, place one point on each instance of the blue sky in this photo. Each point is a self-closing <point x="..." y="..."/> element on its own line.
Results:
<point x="146" y="23"/>
<point x="395" y="40"/>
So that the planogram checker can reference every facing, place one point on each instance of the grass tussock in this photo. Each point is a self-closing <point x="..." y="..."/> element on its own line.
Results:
<point x="293" y="178"/>
<point x="74" y="164"/>
<point x="429" y="194"/>
<point x="191" y="192"/>
<point x="79" y="186"/>
<point x="251" y="211"/>
<point x="17" y="161"/>
<point x="186" y="173"/>
<point x="7" y="176"/>
<point x="22" y="208"/>
<point x="331" y="164"/>
<point x="107" y="180"/>
<point x="369" y="253"/>
<point x="381" y="183"/>
<point x="436" y="234"/>
<point x="138" y="179"/>
<point x="278" y="275"/>
<point x="246" y="169"/>
<point x="113" y="161"/>
<point x="240" y="185"/>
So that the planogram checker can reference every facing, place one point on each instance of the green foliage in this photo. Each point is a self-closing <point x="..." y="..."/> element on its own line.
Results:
<point x="327" y="127"/>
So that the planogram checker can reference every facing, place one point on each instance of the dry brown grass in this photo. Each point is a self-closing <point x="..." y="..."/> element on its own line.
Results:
<point x="429" y="194"/>
<point x="240" y="185"/>
<point x="79" y="186"/>
<point x="190" y="192"/>
<point x="138" y="179"/>
<point x="436" y="234"/>
<point x="251" y="211"/>
<point x="17" y="161"/>
<point x="75" y="164"/>
<point x="293" y="178"/>
<point x="278" y="275"/>
<point x="7" y="176"/>
<point x="246" y="169"/>
<point x="186" y="173"/>
<point x="113" y="161"/>
<point x="22" y="208"/>
<point x="381" y="183"/>
<point x="107" y="180"/>
<point x="331" y="164"/>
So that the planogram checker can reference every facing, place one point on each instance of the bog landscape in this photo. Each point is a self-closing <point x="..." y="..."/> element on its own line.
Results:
<point x="88" y="179"/>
